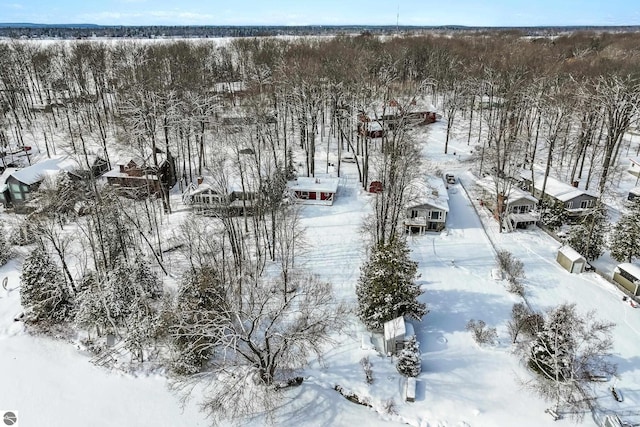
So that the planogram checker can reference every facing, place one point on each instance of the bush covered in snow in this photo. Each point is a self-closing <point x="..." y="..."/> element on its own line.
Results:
<point x="409" y="363"/>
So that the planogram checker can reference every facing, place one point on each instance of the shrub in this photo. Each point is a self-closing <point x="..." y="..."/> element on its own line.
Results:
<point x="409" y="363"/>
<point x="368" y="372"/>
<point x="513" y="267"/>
<point x="482" y="334"/>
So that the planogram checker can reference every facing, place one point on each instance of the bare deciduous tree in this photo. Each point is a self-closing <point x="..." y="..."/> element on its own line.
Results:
<point x="257" y="340"/>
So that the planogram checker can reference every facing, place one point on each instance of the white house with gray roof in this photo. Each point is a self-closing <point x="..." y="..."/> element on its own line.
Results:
<point x="427" y="205"/>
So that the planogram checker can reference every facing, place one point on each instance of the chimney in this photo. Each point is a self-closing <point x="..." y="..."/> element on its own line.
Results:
<point x="575" y="184"/>
<point x="121" y="168"/>
<point x="200" y="180"/>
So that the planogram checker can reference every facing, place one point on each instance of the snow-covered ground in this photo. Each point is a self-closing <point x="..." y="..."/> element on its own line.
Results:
<point x="50" y="382"/>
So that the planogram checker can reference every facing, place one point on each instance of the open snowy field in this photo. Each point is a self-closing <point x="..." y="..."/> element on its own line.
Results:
<point x="51" y="383"/>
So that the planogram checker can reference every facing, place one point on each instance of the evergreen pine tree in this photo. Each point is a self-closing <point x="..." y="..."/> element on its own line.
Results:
<point x="146" y="279"/>
<point x="91" y="313"/>
<point x="553" y="214"/>
<point x="43" y="292"/>
<point x="386" y="287"/>
<point x="409" y="363"/>
<point x="587" y="238"/>
<point x="200" y="296"/>
<point x="625" y="239"/>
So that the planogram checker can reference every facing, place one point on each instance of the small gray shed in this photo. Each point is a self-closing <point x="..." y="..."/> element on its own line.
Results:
<point x="571" y="260"/>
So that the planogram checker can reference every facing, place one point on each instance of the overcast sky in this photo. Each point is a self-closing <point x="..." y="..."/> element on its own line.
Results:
<point x="323" y="12"/>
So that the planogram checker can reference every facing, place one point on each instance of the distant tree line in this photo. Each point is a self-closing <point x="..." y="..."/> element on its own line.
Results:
<point x="76" y="31"/>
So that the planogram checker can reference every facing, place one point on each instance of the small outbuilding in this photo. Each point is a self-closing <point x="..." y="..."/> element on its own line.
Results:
<point x="634" y="166"/>
<point x="410" y="390"/>
<point x="394" y="334"/>
<point x="627" y="275"/>
<point x="571" y="260"/>
<point x="633" y="193"/>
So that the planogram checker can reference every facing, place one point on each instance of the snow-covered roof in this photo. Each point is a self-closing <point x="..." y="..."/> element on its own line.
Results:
<point x="115" y="173"/>
<point x="513" y="194"/>
<point x="634" y="190"/>
<point x="208" y="186"/>
<point x="429" y="190"/>
<point x="323" y="184"/>
<point x="409" y="331"/>
<point x="632" y="269"/>
<point x="570" y="253"/>
<point x="35" y="173"/>
<point x="555" y="188"/>
<point x="394" y="328"/>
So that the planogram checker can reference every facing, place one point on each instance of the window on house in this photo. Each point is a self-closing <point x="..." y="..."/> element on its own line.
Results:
<point x="586" y="204"/>
<point x="303" y="195"/>
<point x="569" y="205"/>
<point x="414" y="213"/>
<point x="436" y="214"/>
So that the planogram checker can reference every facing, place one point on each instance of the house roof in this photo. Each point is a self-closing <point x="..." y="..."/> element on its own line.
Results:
<point x="233" y="184"/>
<point x="115" y="173"/>
<point x="512" y="195"/>
<point x="632" y="269"/>
<point x="429" y="190"/>
<point x="634" y="190"/>
<point x="554" y="188"/>
<point x="35" y="173"/>
<point x="570" y="253"/>
<point x="322" y="184"/>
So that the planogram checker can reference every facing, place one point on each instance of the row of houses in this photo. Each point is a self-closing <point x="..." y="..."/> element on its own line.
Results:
<point x="518" y="203"/>
<point x="232" y="198"/>
<point x="425" y="211"/>
<point x="17" y="185"/>
<point x="134" y="178"/>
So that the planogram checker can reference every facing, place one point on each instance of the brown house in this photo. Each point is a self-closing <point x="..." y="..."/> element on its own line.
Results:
<point x="134" y="180"/>
<point x="137" y="179"/>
